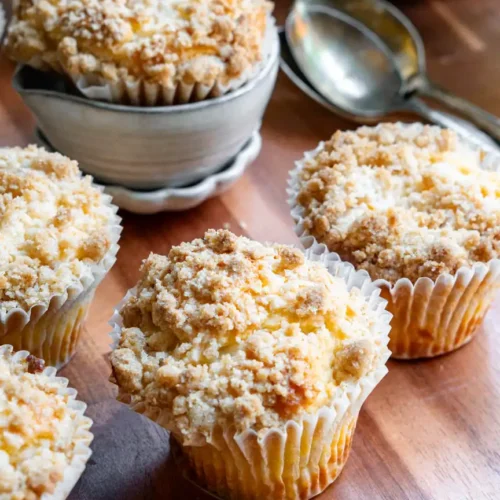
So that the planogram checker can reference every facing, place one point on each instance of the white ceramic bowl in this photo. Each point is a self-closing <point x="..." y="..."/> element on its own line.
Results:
<point x="180" y="198"/>
<point x="147" y="148"/>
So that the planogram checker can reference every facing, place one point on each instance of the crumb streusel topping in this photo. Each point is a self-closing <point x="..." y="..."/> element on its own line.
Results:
<point x="37" y="430"/>
<point x="402" y="201"/>
<point x="227" y="331"/>
<point x="159" y="41"/>
<point x="53" y="226"/>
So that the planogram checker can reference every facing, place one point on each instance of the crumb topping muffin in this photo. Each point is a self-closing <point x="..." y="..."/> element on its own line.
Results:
<point x="54" y="226"/>
<point x="37" y="430"/>
<point x="226" y="331"/>
<point x="154" y="40"/>
<point x="402" y="201"/>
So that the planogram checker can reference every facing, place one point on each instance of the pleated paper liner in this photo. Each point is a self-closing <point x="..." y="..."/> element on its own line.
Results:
<point x="339" y="457"/>
<point x="142" y="93"/>
<point x="273" y="469"/>
<point x="83" y="437"/>
<point x="51" y="330"/>
<point x="55" y="335"/>
<point x="433" y="318"/>
<point x="306" y="456"/>
<point x="430" y="317"/>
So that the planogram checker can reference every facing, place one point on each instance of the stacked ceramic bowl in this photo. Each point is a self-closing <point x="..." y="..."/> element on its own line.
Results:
<point x="164" y="109"/>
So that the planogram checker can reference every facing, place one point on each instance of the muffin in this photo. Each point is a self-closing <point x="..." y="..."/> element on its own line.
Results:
<point x="58" y="238"/>
<point x="256" y="358"/>
<point x="418" y="208"/>
<point x="145" y="52"/>
<point x="44" y="437"/>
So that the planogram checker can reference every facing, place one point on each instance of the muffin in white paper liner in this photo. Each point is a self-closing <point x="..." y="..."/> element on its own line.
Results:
<point x="304" y="458"/>
<point x="51" y="330"/>
<point x="430" y="318"/>
<point x="142" y="93"/>
<point x="82" y="438"/>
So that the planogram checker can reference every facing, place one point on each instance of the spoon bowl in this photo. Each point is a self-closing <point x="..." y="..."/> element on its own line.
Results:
<point x="344" y="61"/>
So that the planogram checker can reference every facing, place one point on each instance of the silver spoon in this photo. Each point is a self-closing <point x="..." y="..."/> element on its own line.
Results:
<point x="367" y="60"/>
<point x="290" y="68"/>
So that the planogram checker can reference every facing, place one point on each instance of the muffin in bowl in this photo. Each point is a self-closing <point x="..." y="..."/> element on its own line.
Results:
<point x="144" y="52"/>
<point x="256" y="358"/>
<point x="58" y="239"/>
<point x="44" y="435"/>
<point x="418" y="207"/>
<point x="149" y="147"/>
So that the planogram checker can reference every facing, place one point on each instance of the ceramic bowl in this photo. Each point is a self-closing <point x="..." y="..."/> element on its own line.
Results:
<point x="180" y="198"/>
<point x="147" y="148"/>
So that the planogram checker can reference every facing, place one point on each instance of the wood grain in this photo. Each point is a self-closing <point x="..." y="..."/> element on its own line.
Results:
<point x="431" y="430"/>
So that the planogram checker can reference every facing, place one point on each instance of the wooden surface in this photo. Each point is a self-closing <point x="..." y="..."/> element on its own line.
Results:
<point x="431" y="430"/>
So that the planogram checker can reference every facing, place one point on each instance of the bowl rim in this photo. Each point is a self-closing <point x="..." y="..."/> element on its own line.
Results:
<point x="171" y="109"/>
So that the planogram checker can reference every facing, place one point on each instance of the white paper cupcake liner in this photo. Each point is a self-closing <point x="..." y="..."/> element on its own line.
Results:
<point x="306" y="456"/>
<point x="54" y="336"/>
<point x="83" y="437"/>
<point x="46" y="329"/>
<point x="430" y="317"/>
<point x="141" y="93"/>
<point x="297" y="463"/>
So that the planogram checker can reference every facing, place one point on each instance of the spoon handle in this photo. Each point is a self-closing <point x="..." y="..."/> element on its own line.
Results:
<point x="419" y="107"/>
<point x="486" y="121"/>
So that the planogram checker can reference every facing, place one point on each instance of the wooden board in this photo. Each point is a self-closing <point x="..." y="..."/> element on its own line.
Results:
<point x="431" y="430"/>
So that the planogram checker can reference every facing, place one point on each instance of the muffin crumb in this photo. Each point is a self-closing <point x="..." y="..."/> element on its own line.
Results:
<point x="291" y="258"/>
<point x="35" y="365"/>
<point x="354" y="360"/>
<point x="222" y="241"/>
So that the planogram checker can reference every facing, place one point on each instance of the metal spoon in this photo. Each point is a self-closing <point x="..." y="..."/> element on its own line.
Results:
<point x="290" y="68"/>
<point x="367" y="60"/>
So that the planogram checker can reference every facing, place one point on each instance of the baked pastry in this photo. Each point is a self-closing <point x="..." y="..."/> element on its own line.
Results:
<point x="144" y="52"/>
<point x="418" y="208"/>
<point x="246" y="352"/>
<point x="58" y="238"/>
<point x="44" y="437"/>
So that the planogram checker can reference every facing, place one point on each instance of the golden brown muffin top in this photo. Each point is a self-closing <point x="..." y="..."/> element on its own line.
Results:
<point x="402" y="201"/>
<point x="53" y="226"/>
<point x="37" y="430"/>
<point x="227" y="331"/>
<point x="160" y="41"/>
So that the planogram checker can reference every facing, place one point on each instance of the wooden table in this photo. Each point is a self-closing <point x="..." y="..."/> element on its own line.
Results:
<point x="431" y="430"/>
